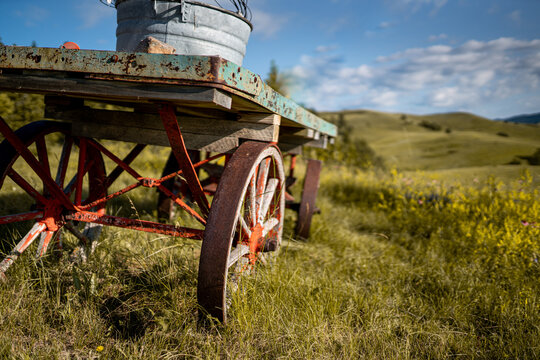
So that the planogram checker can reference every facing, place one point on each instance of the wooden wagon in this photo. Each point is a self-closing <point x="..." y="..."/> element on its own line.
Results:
<point x="193" y="104"/>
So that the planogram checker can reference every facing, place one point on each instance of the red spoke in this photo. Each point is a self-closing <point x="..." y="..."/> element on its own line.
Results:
<point x="127" y="160"/>
<point x="32" y="215"/>
<point x="70" y="186"/>
<point x="37" y="229"/>
<point x="114" y="158"/>
<point x="44" y="243"/>
<point x="34" y="164"/>
<point x="64" y="160"/>
<point x="43" y="157"/>
<point x="81" y="170"/>
<point x="27" y="187"/>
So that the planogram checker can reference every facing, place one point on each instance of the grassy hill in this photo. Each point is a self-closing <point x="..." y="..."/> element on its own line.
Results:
<point x="441" y="141"/>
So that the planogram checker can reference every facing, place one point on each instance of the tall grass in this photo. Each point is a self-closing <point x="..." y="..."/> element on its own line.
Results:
<point x="397" y="267"/>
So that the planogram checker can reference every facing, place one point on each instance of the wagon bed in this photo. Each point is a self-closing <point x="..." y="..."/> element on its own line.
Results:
<point x="214" y="95"/>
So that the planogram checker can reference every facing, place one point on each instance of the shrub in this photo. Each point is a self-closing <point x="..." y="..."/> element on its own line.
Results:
<point x="430" y="125"/>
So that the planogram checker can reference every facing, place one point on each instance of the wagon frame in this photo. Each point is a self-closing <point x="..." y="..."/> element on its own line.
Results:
<point x="188" y="103"/>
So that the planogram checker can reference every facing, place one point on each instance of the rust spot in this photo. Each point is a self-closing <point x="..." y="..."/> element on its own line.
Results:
<point x="129" y="59"/>
<point x="171" y="67"/>
<point x="35" y="58"/>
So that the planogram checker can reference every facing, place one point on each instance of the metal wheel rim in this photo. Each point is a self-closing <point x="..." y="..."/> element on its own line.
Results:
<point x="218" y="253"/>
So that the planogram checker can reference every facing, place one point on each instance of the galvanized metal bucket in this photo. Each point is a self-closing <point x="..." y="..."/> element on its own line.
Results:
<point x="191" y="27"/>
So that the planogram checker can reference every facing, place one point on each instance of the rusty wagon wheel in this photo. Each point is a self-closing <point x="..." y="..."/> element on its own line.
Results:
<point x="245" y="222"/>
<point x="78" y="176"/>
<point x="309" y="195"/>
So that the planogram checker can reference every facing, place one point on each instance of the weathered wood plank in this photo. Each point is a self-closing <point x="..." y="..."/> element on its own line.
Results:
<point x="321" y="142"/>
<point x="193" y="125"/>
<point x="153" y="137"/>
<point x="260" y="118"/>
<point x="292" y="149"/>
<point x="107" y="90"/>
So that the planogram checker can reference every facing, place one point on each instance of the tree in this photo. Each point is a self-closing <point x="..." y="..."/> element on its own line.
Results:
<point x="277" y="80"/>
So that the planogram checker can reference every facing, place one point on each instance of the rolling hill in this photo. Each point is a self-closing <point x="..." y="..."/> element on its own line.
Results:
<point x="441" y="141"/>
<point x="524" y="119"/>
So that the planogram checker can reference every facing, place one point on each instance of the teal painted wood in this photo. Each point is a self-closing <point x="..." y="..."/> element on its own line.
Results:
<point x="147" y="67"/>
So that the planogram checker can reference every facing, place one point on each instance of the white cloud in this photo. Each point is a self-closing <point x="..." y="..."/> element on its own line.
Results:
<point x="267" y="24"/>
<point x="32" y="15"/>
<point x="433" y="38"/>
<point x="416" y="5"/>
<point x="465" y="77"/>
<point x="92" y="13"/>
<point x="325" y="48"/>
<point x="515" y="16"/>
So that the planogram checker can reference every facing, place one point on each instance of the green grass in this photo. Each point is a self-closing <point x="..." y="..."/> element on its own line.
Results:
<point x="382" y="277"/>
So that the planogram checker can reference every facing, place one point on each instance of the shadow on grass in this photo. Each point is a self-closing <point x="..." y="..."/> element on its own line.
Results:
<point x="142" y="299"/>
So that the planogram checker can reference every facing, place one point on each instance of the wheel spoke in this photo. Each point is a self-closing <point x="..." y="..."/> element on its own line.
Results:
<point x="246" y="229"/>
<point x="18" y="179"/>
<point x="43" y="157"/>
<point x="80" y="172"/>
<point x="240" y="251"/>
<point x="270" y="224"/>
<point x="252" y="202"/>
<point x="267" y="198"/>
<point x="7" y="219"/>
<point x="262" y="178"/>
<point x="44" y="243"/>
<point x="37" y="229"/>
<point x="64" y="160"/>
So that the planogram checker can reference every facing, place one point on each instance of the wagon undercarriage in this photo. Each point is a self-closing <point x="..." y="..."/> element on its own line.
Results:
<point x="194" y="105"/>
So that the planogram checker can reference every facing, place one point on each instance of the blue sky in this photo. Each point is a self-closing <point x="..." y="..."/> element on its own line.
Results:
<point x="416" y="56"/>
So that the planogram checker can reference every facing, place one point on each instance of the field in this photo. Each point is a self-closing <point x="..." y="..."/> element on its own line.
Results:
<point x="433" y="253"/>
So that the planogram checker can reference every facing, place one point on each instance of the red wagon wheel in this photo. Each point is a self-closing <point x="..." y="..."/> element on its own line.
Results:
<point x="75" y="174"/>
<point x="309" y="195"/>
<point x="245" y="220"/>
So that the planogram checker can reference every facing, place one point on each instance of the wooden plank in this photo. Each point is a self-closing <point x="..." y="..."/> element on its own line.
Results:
<point x="322" y="142"/>
<point x="193" y="125"/>
<point x="293" y="149"/>
<point x="259" y="118"/>
<point x="108" y="90"/>
<point x="153" y="136"/>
